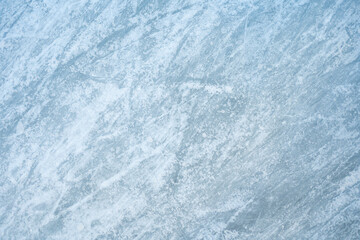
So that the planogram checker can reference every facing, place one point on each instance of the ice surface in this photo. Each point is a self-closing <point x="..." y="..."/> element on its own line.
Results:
<point x="227" y="119"/>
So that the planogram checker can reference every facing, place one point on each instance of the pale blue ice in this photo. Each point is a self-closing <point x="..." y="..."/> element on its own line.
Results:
<point x="154" y="119"/>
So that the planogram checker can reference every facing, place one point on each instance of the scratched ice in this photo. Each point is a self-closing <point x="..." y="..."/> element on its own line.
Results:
<point x="186" y="119"/>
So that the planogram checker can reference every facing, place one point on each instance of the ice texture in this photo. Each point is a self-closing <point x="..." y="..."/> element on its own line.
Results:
<point x="187" y="119"/>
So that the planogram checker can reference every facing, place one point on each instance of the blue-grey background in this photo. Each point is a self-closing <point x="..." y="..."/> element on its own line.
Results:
<point x="154" y="119"/>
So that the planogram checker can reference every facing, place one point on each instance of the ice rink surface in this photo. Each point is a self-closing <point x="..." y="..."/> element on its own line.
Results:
<point x="226" y="119"/>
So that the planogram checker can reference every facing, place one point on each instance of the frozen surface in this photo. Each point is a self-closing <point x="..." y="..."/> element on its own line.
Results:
<point x="180" y="119"/>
